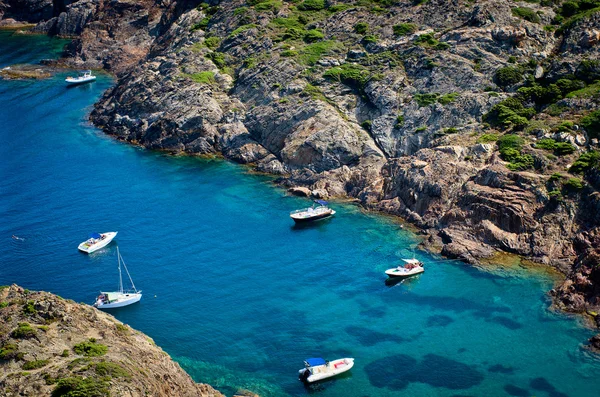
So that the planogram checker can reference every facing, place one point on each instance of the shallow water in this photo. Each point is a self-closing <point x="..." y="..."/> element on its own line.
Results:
<point x="237" y="294"/>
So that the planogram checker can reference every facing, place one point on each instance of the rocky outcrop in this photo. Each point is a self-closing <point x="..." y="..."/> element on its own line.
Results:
<point x="382" y="103"/>
<point x="49" y="345"/>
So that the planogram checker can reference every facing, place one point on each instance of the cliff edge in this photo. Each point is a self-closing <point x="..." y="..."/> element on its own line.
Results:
<point x="50" y="346"/>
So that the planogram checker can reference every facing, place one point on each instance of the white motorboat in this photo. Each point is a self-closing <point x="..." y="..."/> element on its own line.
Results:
<point x="120" y="298"/>
<point x="318" y="369"/>
<point x="84" y="77"/>
<point x="410" y="268"/>
<point x="96" y="241"/>
<point x="316" y="212"/>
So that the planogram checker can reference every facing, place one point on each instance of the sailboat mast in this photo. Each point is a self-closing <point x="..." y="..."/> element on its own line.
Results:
<point x="120" y="275"/>
<point x="128" y="275"/>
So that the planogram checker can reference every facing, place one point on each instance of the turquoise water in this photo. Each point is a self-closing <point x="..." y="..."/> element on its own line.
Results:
<point x="236" y="293"/>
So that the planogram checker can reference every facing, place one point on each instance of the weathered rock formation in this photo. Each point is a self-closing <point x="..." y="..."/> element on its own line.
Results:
<point x="49" y="345"/>
<point x="395" y="102"/>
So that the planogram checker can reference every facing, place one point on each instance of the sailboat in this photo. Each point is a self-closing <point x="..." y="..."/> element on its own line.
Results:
<point x="120" y="298"/>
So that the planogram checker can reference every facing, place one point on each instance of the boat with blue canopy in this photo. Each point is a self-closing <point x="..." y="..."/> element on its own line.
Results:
<point x="319" y="210"/>
<point x="96" y="241"/>
<point x="316" y="369"/>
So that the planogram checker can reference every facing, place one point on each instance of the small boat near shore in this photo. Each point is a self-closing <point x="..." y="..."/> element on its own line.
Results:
<point x="120" y="298"/>
<point x="96" y="241"/>
<point x="314" y="213"/>
<point x="84" y="77"/>
<point x="317" y="369"/>
<point x="410" y="268"/>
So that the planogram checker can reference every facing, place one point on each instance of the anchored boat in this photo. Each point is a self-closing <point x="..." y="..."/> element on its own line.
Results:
<point x="96" y="241"/>
<point x="318" y="369"/>
<point x="316" y="212"/>
<point x="120" y="298"/>
<point x="84" y="77"/>
<point x="410" y="268"/>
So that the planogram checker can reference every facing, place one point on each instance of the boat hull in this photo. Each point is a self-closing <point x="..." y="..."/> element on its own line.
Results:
<point x="71" y="81"/>
<point x="329" y="370"/>
<point x="398" y="273"/>
<point x="89" y="248"/>
<point x="316" y="217"/>
<point x="128" y="300"/>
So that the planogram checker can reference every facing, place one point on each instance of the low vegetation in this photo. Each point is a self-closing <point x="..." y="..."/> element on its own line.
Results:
<point x="90" y="348"/>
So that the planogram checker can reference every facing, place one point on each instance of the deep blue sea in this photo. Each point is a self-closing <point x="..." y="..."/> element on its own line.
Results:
<point x="238" y="295"/>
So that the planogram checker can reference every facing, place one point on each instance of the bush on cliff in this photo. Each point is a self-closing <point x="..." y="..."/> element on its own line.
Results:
<point x="404" y="29"/>
<point x="585" y="162"/>
<point x="361" y="27"/>
<point x="591" y="123"/>
<point x="312" y="5"/>
<point x="354" y="75"/>
<point x="23" y="331"/>
<point x="526" y="13"/>
<point x="81" y="387"/>
<point x="509" y="113"/>
<point x="508" y="76"/>
<point x="90" y="348"/>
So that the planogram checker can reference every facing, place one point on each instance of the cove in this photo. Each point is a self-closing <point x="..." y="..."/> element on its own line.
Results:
<point x="238" y="295"/>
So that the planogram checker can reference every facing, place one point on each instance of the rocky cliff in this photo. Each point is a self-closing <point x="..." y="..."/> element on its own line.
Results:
<point x="476" y="121"/>
<point x="52" y="346"/>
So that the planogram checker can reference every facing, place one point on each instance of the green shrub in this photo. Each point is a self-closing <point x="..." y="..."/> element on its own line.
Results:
<point x="399" y="120"/>
<point x="585" y="162"/>
<point x="3" y="305"/>
<point x="448" y="98"/>
<point x="218" y="59"/>
<point x="404" y="29"/>
<point x="212" y="42"/>
<point x="421" y="129"/>
<point x="24" y="330"/>
<point x="90" y="348"/>
<point x="370" y="38"/>
<point x="508" y="76"/>
<point x="426" y="99"/>
<point x="65" y="353"/>
<point x="104" y="368"/>
<point x="350" y="74"/>
<point x="573" y="184"/>
<point x="546" y="143"/>
<point x="564" y="148"/>
<point x="202" y="25"/>
<point x="28" y="308"/>
<point x="487" y="138"/>
<point x="591" y="123"/>
<point x="361" y="27"/>
<point x="313" y="52"/>
<point x="521" y="163"/>
<point x="367" y="124"/>
<point x="510" y="141"/>
<point x="509" y="113"/>
<point x="526" y="13"/>
<point x="35" y="364"/>
<point x="9" y="351"/>
<point x="81" y="387"/>
<point x="312" y="5"/>
<point x="203" y="77"/>
<point x="241" y="29"/>
<point x="268" y="5"/>
<point x="313" y="35"/>
<point x="289" y="53"/>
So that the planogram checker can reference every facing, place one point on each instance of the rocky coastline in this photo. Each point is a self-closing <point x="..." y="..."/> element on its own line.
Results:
<point x="53" y="346"/>
<point x="475" y="121"/>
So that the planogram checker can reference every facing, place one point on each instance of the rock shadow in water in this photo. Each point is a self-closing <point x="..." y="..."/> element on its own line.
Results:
<point x="516" y="391"/>
<point x="376" y="312"/>
<point x="506" y="322"/>
<point x="542" y="384"/>
<point x="501" y="369"/>
<point x="368" y="337"/>
<point x="439" y="321"/>
<point x="397" y="372"/>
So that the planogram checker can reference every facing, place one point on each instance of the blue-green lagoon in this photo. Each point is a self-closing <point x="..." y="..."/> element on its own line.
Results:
<point x="235" y="292"/>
